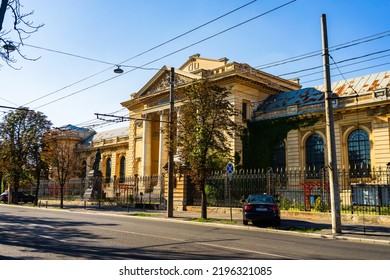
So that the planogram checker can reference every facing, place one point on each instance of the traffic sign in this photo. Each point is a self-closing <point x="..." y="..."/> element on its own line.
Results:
<point x="230" y="168"/>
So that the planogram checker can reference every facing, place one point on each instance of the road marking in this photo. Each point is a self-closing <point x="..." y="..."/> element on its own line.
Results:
<point x="204" y="243"/>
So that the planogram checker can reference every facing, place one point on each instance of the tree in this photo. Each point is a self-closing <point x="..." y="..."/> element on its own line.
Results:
<point x="21" y="133"/>
<point x="205" y="128"/>
<point x="60" y="154"/>
<point x="18" y="29"/>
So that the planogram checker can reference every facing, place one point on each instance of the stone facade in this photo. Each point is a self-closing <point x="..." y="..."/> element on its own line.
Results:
<point x="361" y="103"/>
<point x="358" y="104"/>
<point x="114" y="151"/>
<point x="147" y="148"/>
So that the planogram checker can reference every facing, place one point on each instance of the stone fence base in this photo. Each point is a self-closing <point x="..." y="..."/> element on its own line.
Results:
<point x="317" y="216"/>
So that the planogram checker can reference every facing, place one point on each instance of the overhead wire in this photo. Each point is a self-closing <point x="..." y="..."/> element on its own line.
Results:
<point x="349" y="59"/>
<point x="170" y="54"/>
<point x="131" y="58"/>
<point x="350" y="64"/>
<point x="355" y="42"/>
<point x="342" y="61"/>
<point x="300" y="57"/>
<point x="353" y="71"/>
<point x="343" y="46"/>
<point x="121" y="63"/>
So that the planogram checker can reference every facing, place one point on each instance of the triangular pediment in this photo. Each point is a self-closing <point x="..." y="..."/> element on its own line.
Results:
<point x="161" y="82"/>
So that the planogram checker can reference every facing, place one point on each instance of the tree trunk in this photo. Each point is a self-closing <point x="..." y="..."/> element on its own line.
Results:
<point x="61" y="196"/>
<point x="14" y="193"/>
<point x="37" y="191"/>
<point x="204" y="202"/>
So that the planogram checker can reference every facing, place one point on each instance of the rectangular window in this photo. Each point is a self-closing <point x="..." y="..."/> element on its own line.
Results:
<point x="245" y="112"/>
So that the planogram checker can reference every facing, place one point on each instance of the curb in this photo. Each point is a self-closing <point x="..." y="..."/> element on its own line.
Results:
<point x="219" y="224"/>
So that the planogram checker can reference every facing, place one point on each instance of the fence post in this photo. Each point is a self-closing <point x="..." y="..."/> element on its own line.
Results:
<point x="136" y="187"/>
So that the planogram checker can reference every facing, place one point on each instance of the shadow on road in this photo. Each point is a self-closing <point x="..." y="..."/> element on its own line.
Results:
<point x="45" y="238"/>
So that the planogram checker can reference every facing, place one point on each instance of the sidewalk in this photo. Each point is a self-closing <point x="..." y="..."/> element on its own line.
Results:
<point x="369" y="233"/>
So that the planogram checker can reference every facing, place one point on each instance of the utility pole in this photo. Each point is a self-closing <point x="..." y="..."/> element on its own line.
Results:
<point x="171" y="164"/>
<point x="330" y="136"/>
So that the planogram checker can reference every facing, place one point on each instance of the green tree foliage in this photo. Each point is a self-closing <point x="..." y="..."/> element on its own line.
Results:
<point x="205" y="128"/>
<point x="21" y="133"/>
<point x="260" y="138"/>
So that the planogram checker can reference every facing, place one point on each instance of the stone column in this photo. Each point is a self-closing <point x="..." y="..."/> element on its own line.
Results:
<point x="163" y="159"/>
<point x="146" y="146"/>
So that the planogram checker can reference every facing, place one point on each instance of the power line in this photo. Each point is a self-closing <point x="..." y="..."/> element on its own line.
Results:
<point x="188" y="32"/>
<point x="138" y="55"/>
<point x="350" y="64"/>
<point x="342" y="61"/>
<point x="352" y="43"/>
<point x="205" y="39"/>
<point x="352" y="71"/>
<point x="174" y="52"/>
<point x="342" y="75"/>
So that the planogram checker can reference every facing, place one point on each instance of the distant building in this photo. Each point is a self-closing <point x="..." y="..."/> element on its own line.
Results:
<point x="113" y="146"/>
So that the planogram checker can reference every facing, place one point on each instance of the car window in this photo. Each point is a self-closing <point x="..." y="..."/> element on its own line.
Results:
<point x="260" y="199"/>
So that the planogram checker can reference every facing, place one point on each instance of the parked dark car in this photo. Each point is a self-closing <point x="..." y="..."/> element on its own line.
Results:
<point x="22" y="197"/>
<point x="260" y="209"/>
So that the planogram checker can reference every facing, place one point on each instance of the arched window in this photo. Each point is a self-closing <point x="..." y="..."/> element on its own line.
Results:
<point x="279" y="157"/>
<point x="359" y="158"/>
<point x="108" y="170"/>
<point x="314" y="155"/>
<point x="122" y="170"/>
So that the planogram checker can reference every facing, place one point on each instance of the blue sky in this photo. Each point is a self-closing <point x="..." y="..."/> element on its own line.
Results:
<point x="114" y="31"/>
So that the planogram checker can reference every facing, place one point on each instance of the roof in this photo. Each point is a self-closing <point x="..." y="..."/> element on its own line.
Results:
<point x="305" y="96"/>
<point x="81" y="132"/>
<point x="315" y="95"/>
<point x="111" y="134"/>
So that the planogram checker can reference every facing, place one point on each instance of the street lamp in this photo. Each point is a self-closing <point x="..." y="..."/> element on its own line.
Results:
<point x="9" y="46"/>
<point x="118" y="70"/>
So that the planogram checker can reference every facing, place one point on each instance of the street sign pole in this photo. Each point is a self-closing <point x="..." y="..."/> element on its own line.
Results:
<point x="229" y="171"/>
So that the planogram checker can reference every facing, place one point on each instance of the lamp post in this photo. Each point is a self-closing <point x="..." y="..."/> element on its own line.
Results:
<point x="171" y="164"/>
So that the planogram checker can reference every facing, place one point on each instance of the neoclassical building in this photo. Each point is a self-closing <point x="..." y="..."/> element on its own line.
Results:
<point x="149" y="107"/>
<point x="113" y="149"/>
<point x="361" y="109"/>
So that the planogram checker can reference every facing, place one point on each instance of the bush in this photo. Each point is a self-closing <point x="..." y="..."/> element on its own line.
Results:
<point x="284" y="203"/>
<point x="319" y="205"/>
<point x="212" y="194"/>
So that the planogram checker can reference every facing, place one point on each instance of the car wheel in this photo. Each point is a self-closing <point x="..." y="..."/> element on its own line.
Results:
<point x="276" y="222"/>
<point x="245" y="222"/>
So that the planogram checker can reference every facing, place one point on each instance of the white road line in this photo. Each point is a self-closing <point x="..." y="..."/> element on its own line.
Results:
<point x="204" y="243"/>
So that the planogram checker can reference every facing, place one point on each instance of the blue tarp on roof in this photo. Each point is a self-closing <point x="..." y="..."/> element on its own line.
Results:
<point x="85" y="134"/>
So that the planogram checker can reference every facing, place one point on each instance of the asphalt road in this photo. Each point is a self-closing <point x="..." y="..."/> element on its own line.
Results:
<point x="43" y="234"/>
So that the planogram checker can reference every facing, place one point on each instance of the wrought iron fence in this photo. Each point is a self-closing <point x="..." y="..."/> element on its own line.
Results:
<point x="50" y="189"/>
<point x="303" y="190"/>
<point x="135" y="189"/>
<point x="138" y="189"/>
<point x="296" y="190"/>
